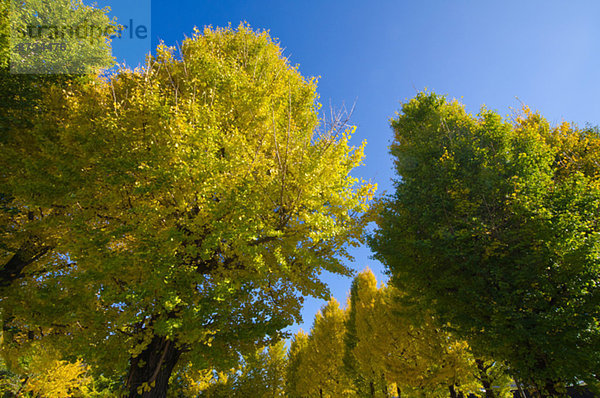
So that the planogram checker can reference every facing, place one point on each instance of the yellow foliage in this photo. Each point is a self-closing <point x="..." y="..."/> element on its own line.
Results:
<point x="57" y="379"/>
<point x="321" y="368"/>
<point x="409" y="355"/>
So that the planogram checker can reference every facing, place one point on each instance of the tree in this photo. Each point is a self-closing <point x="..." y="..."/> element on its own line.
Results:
<point x="206" y="383"/>
<point x="276" y="369"/>
<point x="360" y="363"/>
<point x="26" y="240"/>
<point x="393" y="349"/>
<point x="382" y="349"/>
<point x="194" y="200"/>
<point x="419" y="354"/>
<point x="55" y="38"/>
<point x="494" y="225"/>
<point x="296" y="356"/>
<point x="321" y="366"/>
<point x="263" y="373"/>
<point x="41" y="371"/>
<point x="23" y="240"/>
<point x="260" y="374"/>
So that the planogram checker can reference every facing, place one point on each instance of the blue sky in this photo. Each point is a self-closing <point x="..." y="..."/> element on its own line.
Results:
<point x="378" y="53"/>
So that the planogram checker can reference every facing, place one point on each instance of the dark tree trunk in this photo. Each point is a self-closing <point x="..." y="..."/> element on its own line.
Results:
<point x="153" y="365"/>
<point x="485" y="378"/>
<point x="321" y="392"/>
<point x="372" y="388"/>
<point x="31" y="250"/>
<point x="454" y="393"/>
<point x="398" y="391"/>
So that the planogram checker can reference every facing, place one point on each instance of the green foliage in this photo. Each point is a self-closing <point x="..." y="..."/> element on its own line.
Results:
<point x="494" y="226"/>
<point x="55" y="37"/>
<point x="207" y="383"/>
<point x="263" y="373"/>
<point x="25" y="238"/>
<point x="22" y="93"/>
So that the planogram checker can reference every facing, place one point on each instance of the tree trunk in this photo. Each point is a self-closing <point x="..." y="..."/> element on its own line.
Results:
<point x="485" y="379"/>
<point x="152" y="367"/>
<point x="398" y="391"/>
<point x="523" y="389"/>
<point x="454" y="393"/>
<point x="321" y="392"/>
<point x="30" y="251"/>
<point x="372" y="388"/>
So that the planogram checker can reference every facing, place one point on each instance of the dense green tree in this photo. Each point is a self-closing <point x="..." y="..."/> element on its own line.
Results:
<point x="63" y="37"/>
<point x="194" y="200"/>
<point x="494" y="225"/>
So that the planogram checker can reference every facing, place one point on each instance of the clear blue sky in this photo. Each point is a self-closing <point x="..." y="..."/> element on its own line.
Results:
<point x="379" y="53"/>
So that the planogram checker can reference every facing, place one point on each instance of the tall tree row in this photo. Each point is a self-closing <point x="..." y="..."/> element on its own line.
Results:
<point x="260" y="373"/>
<point x="376" y="348"/>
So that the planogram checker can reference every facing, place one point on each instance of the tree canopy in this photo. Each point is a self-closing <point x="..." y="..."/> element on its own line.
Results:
<point x="494" y="226"/>
<point x="189" y="204"/>
<point x="161" y="226"/>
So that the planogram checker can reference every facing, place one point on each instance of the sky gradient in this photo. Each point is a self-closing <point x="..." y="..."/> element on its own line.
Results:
<point x="545" y="54"/>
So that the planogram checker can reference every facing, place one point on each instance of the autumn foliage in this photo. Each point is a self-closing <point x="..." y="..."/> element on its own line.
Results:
<point x="160" y="227"/>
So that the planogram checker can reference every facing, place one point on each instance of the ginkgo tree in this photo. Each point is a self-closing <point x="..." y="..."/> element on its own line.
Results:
<point x="375" y="348"/>
<point x="296" y="357"/>
<point x="22" y="237"/>
<point x="26" y="242"/>
<point x="320" y="370"/>
<point x="390" y="350"/>
<point x="195" y="199"/>
<point x="260" y="373"/>
<point x="363" y="364"/>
